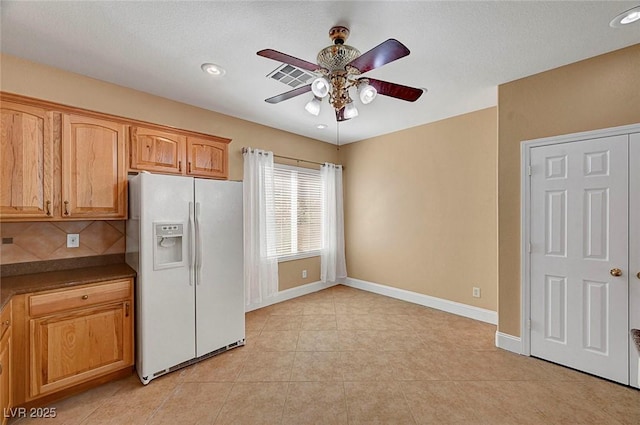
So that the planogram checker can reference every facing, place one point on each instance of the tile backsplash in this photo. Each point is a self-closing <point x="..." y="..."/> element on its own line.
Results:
<point x="37" y="241"/>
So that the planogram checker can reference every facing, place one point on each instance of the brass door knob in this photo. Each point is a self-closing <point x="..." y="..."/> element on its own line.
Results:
<point x="615" y="272"/>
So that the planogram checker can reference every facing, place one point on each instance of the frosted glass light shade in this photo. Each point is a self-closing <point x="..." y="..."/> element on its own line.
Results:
<point x="313" y="106"/>
<point x="320" y="87"/>
<point x="350" y="111"/>
<point x="367" y="93"/>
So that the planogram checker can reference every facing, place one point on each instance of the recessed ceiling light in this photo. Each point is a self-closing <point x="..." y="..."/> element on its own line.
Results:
<point x="321" y="126"/>
<point x="630" y="16"/>
<point x="213" y="69"/>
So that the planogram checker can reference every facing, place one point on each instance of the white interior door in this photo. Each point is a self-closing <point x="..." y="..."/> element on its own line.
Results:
<point x="579" y="236"/>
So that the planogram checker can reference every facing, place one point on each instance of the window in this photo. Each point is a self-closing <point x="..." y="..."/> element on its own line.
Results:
<point x="298" y="209"/>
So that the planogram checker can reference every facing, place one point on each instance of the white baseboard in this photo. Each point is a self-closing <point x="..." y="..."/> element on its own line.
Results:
<point x="460" y="309"/>
<point x="288" y="294"/>
<point x="509" y="342"/>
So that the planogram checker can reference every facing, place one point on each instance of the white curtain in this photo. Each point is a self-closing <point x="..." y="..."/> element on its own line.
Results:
<point x="260" y="261"/>
<point x="333" y="266"/>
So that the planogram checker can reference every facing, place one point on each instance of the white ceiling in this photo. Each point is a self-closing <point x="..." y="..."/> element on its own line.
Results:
<point x="460" y="51"/>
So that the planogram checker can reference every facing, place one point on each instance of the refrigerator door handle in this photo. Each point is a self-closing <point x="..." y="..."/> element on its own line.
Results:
<point x="192" y="254"/>
<point x="198" y="245"/>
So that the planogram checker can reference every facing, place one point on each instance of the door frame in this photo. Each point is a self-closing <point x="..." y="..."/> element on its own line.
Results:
<point x="525" y="214"/>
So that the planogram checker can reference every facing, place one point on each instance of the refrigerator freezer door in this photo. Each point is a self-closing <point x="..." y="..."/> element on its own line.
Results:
<point x="166" y="302"/>
<point x="220" y="289"/>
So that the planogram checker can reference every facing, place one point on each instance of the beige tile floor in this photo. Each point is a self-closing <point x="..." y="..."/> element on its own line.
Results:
<point x="344" y="356"/>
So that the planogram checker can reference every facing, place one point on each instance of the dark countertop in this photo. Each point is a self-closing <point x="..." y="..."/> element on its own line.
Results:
<point x="35" y="282"/>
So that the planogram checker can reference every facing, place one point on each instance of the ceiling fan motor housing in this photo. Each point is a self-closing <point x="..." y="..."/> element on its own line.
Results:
<point x="339" y="34"/>
<point x="337" y="56"/>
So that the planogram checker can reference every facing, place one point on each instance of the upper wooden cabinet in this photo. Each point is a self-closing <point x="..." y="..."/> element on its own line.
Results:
<point x="155" y="150"/>
<point x="27" y="155"/>
<point x="178" y="152"/>
<point x="93" y="168"/>
<point x="60" y="164"/>
<point x="207" y="157"/>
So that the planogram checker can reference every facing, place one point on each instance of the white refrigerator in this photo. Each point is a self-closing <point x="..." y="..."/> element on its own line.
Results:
<point x="184" y="240"/>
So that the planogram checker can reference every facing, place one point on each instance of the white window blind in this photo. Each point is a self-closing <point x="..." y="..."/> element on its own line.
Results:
<point x="298" y="209"/>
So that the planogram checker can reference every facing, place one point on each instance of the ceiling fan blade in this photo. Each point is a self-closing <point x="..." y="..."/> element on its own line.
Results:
<point x="410" y="94"/>
<point x="288" y="95"/>
<point x="382" y="54"/>
<point x="283" y="57"/>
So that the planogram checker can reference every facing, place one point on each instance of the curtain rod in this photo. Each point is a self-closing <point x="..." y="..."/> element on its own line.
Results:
<point x="245" y="149"/>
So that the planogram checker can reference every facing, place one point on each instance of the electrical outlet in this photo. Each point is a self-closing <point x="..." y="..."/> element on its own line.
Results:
<point x="304" y="274"/>
<point x="73" y="240"/>
<point x="476" y="292"/>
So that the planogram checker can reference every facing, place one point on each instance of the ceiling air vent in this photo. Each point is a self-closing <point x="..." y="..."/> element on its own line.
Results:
<point x="291" y="76"/>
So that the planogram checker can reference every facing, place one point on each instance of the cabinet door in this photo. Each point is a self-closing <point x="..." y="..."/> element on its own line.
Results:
<point x="207" y="158"/>
<point x="5" y="375"/>
<point x="67" y="349"/>
<point x="93" y="168"/>
<point x="155" y="150"/>
<point x="26" y="154"/>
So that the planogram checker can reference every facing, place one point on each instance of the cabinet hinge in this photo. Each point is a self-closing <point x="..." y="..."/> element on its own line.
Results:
<point x="529" y="324"/>
<point x="529" y="169"/>
<point x="529" y="247"/>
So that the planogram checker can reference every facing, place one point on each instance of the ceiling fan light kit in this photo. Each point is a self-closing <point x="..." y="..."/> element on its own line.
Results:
<point x="350" y="111"/>
<point x="320" y="87"/>
<point x="338" y="69"/>
<point x="367" y="93"/>
<point x="313" y="106"/>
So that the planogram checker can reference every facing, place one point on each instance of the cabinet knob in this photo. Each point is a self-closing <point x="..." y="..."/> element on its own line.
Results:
<point x="615" y="272"/>
<point x="638" y="275"/>
<point x="6" y="323"/>
<point x="85" y="297"/>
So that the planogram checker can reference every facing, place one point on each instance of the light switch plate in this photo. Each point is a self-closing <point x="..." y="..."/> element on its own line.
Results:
<point x="73" y="240"/>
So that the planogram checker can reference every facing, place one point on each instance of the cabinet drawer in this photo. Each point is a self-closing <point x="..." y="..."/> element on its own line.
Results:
<point x="79" y="297"/>
<point x="5" y="319"/>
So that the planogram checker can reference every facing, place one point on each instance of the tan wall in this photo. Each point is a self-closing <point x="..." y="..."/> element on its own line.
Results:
<point x="421" y="208"/>
<point x="40" y="81"/>
<point x="597" y="93"/>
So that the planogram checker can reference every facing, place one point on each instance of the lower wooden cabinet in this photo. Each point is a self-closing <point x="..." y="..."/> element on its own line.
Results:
<point x="74" y="336"/>
<point x="5" y="363"/>
<point x="75" y="346"/>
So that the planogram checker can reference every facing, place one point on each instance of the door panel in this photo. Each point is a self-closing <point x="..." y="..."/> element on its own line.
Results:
<point x="220" y="283"/>
<point x="27" y="156"/>
<point x="74" y="347"/>
<point x="93" y="168"/>
<point x="579" y="232"/>
<point x="165" y="297"/>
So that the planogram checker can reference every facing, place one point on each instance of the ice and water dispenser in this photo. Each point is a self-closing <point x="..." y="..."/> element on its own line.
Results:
<point x="167" y="247"/>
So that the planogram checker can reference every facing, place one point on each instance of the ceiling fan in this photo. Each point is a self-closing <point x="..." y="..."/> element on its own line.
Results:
<point x="338" y="69"/>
